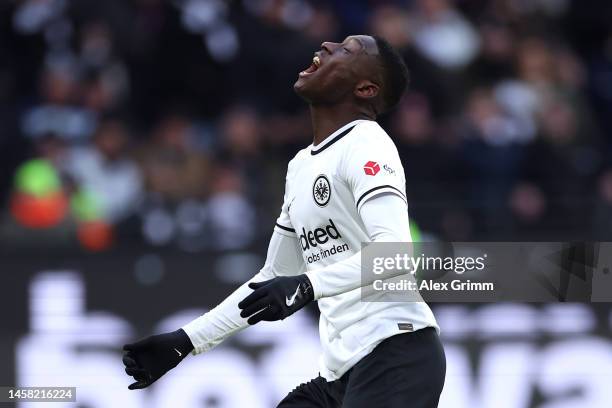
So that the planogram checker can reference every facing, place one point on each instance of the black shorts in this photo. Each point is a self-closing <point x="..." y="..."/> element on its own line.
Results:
<point x="406" y="370"/>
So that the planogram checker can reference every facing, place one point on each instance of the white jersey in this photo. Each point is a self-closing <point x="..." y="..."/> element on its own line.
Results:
<point x="326" y="187"/>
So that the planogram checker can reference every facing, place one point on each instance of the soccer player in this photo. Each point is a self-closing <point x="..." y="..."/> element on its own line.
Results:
<point x="346" y="188"/>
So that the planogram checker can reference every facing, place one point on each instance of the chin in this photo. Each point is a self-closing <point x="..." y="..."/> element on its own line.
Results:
<point x="298" y="88"/>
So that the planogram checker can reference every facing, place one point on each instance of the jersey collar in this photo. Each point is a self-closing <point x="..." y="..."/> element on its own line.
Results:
<point x="334" y="137"/>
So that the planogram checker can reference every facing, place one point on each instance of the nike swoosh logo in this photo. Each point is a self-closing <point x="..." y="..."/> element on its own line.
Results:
<point x="179" y="353"/>
<point x="289" y="301"/>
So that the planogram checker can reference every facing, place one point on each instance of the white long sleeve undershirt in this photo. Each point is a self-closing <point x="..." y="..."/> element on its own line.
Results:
<point x="386" y="220"/>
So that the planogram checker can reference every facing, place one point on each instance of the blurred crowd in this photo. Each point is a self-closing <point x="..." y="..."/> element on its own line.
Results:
<point x="171" y="123"/>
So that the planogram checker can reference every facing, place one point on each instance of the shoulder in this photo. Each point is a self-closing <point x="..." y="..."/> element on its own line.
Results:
<point x="297" y="161"/>
<point x="369" y="127"/>
<point x="368" y="137"/>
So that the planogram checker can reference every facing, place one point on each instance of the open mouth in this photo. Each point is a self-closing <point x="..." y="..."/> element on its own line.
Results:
<point x="316" y="63"/>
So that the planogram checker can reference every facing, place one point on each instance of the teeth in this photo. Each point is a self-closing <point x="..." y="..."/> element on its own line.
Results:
<point x="317" y="61"/>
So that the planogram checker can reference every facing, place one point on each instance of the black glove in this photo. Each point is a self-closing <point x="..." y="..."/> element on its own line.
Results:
<point x="276" y="298"/>
<point x="150" y="358"/>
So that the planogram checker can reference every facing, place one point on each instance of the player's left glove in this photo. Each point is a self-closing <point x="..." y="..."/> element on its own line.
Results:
<point x="276" y="298"/>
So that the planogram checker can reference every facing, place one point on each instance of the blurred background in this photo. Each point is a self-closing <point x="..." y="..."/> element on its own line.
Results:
<point x="143" y="150"/>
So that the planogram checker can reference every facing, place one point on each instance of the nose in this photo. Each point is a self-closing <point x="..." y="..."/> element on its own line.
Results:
<point x="329" y="46"/>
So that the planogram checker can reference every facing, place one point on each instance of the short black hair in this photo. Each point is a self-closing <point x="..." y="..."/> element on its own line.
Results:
<point x="395" y="73"/>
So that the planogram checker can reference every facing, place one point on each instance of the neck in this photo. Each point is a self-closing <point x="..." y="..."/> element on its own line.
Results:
<point x="327" y="119"/>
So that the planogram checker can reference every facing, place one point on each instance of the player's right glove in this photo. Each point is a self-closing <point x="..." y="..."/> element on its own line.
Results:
<point x="148" y="359"/>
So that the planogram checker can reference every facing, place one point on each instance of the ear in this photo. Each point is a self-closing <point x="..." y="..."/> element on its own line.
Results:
<point x="366" y="89"/>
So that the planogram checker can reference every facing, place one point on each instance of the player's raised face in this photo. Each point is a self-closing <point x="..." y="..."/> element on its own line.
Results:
<point x="338" y="69"/>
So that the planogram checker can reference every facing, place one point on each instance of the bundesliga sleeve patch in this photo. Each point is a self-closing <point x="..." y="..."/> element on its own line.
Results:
<point x="371" y="168"/>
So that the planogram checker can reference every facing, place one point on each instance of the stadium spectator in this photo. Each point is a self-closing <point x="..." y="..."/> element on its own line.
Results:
<point x="172" y="168"/>
<point x="104" y="170"/>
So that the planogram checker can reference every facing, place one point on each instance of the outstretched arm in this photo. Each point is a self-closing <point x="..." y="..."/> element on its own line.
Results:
<point x="147" y="360"/>
<point x="210" y="329"/>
